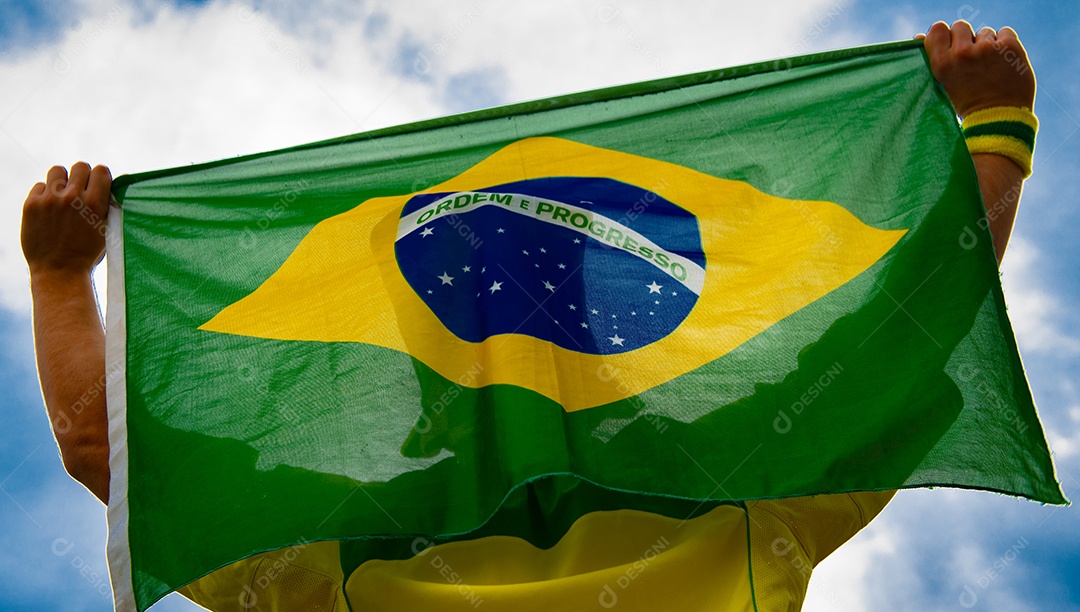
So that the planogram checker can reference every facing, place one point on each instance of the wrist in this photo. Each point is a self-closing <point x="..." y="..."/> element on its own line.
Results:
<point x="43" y="274"/>
<point x="1001" y="163"/>
<point x="975" y="107"/>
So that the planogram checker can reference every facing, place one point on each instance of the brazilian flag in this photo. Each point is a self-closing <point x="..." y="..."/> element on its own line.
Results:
<point x="552" y="355"/>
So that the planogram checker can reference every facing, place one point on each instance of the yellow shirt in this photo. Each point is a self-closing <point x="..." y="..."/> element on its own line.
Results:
<point x="637" y="561"/>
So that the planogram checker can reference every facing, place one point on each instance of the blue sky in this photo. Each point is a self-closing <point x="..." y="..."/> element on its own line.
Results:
<point x="140" y="84"/>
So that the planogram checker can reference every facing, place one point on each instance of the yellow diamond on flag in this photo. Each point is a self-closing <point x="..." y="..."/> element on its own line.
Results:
<point x="564" y="295"/>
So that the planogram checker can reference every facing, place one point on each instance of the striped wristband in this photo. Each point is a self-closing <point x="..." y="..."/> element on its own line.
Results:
<point x="1004" y="130"/>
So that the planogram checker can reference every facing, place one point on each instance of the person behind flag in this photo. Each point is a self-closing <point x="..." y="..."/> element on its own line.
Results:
<point x="988" y="79"/>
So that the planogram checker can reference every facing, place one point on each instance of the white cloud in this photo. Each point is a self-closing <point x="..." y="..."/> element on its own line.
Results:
<point x="841" y="581"/>
<point x="1064" y="444"/>
<point x="1063" y="430"/>
<point x="142" y="89"/>
<point x="564" y="46"/>
<point x="939" y="550"/>
<point x="1034" y="310"/>
<point x="184" y="86"/>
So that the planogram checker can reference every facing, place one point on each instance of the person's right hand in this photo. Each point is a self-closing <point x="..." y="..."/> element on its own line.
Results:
<point x="979" y="70"/>
<point x="63" y="226"/>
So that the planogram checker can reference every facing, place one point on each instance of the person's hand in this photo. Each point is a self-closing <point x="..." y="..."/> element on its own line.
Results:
<point x="63" y="226"/>
<point x="979" y="70"/>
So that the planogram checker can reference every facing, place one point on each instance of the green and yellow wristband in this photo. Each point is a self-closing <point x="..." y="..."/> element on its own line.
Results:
<point x="1003" y="130"/>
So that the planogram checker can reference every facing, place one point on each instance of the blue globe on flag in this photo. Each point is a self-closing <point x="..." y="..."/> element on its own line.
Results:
<point x="592" y="265"/>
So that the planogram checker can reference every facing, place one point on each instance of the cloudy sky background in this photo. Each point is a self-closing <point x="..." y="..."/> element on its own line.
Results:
<point x="146" y="84"/>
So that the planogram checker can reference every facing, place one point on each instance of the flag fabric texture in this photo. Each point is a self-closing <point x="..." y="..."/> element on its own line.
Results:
<point x="578" y="342"/>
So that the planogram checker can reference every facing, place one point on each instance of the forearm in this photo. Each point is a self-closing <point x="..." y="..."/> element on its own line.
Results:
<point x="977" y="77"/>
<point x="1000" y="181"/>
<point x="70" y="344"/>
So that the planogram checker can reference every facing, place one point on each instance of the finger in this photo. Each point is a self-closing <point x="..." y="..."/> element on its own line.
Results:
<point x="100" y="180"/>
<point x="98" y="189"/>
<point x="919" y="36"/>
<point x="938" y="39"/>
<point x="57" y="178"/>
<point x="986" y="34"/>
<point x="80" y="173"/>
<point x="962" y="35"/>
<point x="1007" y="34"/>
<point x="36" y="190"/>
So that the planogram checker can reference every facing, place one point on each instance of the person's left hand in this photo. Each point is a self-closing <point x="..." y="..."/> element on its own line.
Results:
<point x="63" y="226"/>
